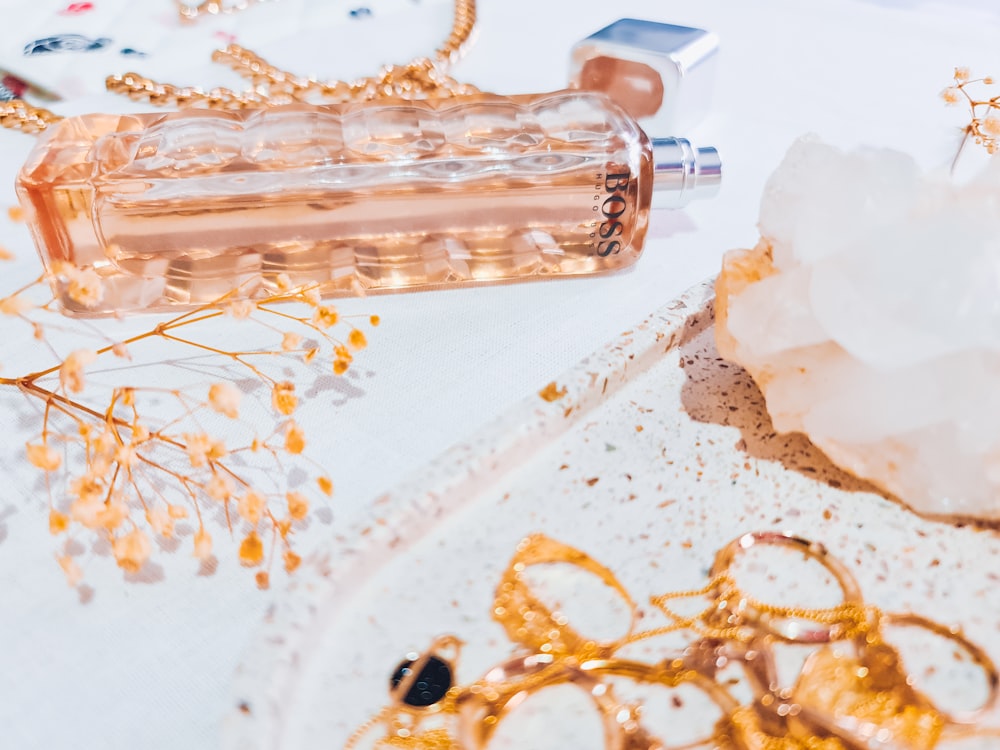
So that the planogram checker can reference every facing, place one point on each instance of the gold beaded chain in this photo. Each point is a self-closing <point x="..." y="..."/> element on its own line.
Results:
<point x="846" y="620"/>
<point x="422" y="77"/>
<point x="17" y="114"/>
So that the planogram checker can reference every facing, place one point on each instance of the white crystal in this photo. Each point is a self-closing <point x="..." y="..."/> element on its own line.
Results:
<point x="869" y="315"/>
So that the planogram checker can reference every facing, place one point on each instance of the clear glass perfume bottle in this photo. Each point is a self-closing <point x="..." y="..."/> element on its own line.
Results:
<point x="177" y="209"/>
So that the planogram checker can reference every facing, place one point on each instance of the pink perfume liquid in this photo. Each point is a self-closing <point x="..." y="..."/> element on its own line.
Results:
<point x="177" y="209"/>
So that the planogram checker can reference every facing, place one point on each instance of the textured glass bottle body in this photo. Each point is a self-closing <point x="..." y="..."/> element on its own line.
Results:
<point x="178" y="209"/>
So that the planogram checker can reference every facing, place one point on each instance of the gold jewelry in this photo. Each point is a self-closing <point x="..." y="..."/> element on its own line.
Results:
<point x="853" y="699"/>
<point x="422" y="77"/>
<point x="17" y="114"/>
<point x="954" y="634"/>
<point x="866" y="692"/>
<point x="852" y="693"/>
<point x="733" y="615"/>
<point x="503" y="688"/>
<point x="530" y="623"/>
<point x="467" y="717"/>
<point x="423" y="702"/>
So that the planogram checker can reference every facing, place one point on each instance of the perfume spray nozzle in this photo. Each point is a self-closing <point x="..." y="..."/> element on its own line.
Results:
<point x="683" y="173"/>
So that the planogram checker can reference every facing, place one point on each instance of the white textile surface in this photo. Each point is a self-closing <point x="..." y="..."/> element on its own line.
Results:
<point x="147" y="664"/>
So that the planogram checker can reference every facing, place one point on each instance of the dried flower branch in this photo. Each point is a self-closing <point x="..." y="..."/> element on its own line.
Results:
<point x="984" y="127"/>
<point x="131" y="466"/>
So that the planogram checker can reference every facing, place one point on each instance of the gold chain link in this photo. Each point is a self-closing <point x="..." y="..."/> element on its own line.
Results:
<point x="848" y="619"/>
<point x="423" y="77"/>
<point x="17" y="114"/>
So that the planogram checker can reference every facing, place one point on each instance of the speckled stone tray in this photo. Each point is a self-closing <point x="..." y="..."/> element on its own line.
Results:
<point x="657" y="454"/>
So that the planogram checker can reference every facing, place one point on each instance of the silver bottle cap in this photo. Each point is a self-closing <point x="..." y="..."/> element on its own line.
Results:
<point x="661" y="74"/>
<point x="683" y="173"/>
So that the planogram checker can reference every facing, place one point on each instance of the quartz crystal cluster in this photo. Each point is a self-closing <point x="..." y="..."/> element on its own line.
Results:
<point x="869" y="316"/>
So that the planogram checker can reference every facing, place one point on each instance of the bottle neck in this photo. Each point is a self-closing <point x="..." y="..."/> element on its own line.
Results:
<point x="682" y="173"/>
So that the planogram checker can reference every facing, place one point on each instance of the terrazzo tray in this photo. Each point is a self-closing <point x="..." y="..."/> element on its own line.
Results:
<point x="651" y="455"/>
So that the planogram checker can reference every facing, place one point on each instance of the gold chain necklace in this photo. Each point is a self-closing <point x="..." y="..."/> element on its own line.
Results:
<point x="421" y="78"/>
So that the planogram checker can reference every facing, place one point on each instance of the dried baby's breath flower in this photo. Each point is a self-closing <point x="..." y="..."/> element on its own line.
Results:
<point x="92" y="512"/>
<point x="251" y="507"/>
<point x="340" y="366"/>
<point x="126" y="456"/>
<point x="984" y="111"/>
<point x="298" y="505"/>
<point x="84" y="286"/>
<point x="357" y="339"/>
<point x="251" y="550"/>
<point x="71" y="371"/>
<point x="88" y="487"/>
<point x="311" y="296"/>
<point x="131" y="550"/>
<point x="160" y="522"/>
<point x="283" y="282"/>
<point x="295" y="438"/>
<point x="219" y="487"/>
<point x="58" y="522"/>
<point x="114" y="514"/>
<point x="202" y="448"/>
<point x="99" y="438"/>
<point x="43" y="456"/>
<point x="292" y="561"/>
<point x="15" y="213"/>
<point x="283" y="397"/>
<point x="325" y="316"/>
<point x="132" y="476"/>
<point x="6" y="254"/>
<point x="87" y="512"/>
<point x="103" y="449"/>
<point x="16" y="304"/>
<point x="263" y="579"/>
<point x="202" y="544"/>
<point x="225" y="399"/>
<point x="374" y="320"/>
<point x="241" y="309"/>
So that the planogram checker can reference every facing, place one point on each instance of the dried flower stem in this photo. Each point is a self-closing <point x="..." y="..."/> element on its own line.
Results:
<point x="984" y="125"/>
<point x="139" y="475"/>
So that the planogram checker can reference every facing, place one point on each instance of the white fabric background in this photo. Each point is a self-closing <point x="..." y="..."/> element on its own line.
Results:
<point x="147" y="665"/>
